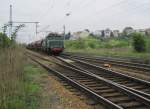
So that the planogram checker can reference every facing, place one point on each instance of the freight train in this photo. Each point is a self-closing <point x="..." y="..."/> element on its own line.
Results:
<point x="52" y="44"/>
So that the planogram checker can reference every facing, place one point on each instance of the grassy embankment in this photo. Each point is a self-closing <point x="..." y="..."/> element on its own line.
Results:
<point x="110" y="47"/>
<point x="17" y="90"/>
<point x="25" y="85"/>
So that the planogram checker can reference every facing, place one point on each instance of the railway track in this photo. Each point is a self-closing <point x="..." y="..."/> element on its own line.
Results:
<point x="110" y="94"/>
<point x="128" y="59"/>
<point x="139" y="86"/>
<point x="114" y="62"/>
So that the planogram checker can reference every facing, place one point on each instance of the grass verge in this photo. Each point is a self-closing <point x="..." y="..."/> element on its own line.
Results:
<point x="52" y="94"/>
<point x="17" y="88"/>
<point x="114" y="52"/>
<point x="115" y="47"/>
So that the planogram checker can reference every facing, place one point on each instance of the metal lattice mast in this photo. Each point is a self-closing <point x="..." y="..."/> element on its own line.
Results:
<point x="10" y="22"/>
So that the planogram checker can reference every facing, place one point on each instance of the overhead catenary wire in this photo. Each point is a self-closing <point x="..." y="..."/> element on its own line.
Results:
<point x="81" y="5"/>
<point x="113" y="5"/>
<point x="68" y="3"/>
<point x="102" y="11"/>
<point x="110" y="9"/>
<point x="135" y="9"/>
<point x="69" y="10"/>
<point x="107" y="8"/>
<point x="51" y="4"/>
<point x="89" y="3"/>
<point x="44" y="28"/>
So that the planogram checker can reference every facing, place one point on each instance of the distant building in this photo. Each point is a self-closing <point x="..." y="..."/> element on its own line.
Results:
<point x="128" y="30"/>
<point x="98" y="33"/>
<point x="75" y="35"/>
<point x="143" y="31"/>
<point x="107" y="33"/>
<point x="147" y="31"/>
<point x="80" y="34"/>
<point x="116" y="33"/>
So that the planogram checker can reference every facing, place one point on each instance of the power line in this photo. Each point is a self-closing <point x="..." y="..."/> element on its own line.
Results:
<point x="68" y="3"/>
<point x="89" y="3"/>
<point x="77" y="6"/>
<point x="113" y="5"/>
<point x="43" y="29"/>
<point x="64" y="17"/>
<point x="135" y="9"/>
<point x="49" y="9"/>
<point x="109" y="7"/>
<point x="52" y="6"/>
<point x="81" y="5"/>
<point x="36" y="25"/>
<point x="123" y="13"/>
<point x="119" y="4"/>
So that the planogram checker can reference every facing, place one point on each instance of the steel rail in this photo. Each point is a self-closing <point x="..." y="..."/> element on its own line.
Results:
<point x="126" y="59"/>
<point x="121" y="89"/>
<point x="115" y="75"/>
<point x="143" y="67"/>
<point x="74" y="84"/>
<point x="110" y="71"/>
<point x="147" y="95"/>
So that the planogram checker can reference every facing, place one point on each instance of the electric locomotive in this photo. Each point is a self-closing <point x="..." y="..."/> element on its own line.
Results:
<point x="53" y="43"/>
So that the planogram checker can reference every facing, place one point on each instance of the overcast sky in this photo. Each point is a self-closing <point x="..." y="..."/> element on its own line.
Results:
<point x="84" y="14"/>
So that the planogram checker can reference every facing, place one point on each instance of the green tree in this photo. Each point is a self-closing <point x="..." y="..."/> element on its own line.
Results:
<point x="4" y="40"/>
<point x="138" y="42"/>
<point x="14" y="34"/>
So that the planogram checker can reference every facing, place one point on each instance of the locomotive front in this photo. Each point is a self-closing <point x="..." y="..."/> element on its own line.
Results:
<point x="53" y="43"/>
